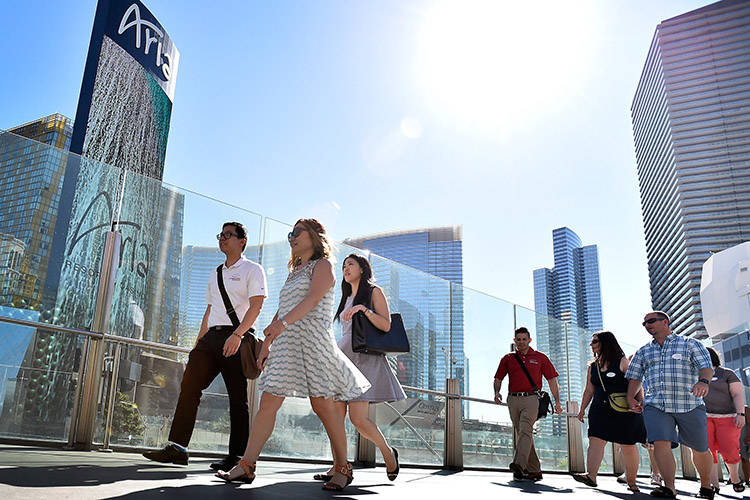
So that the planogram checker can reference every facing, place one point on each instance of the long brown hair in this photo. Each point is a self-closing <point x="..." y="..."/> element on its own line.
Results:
<point x="322" y="247"/>
<point x="366" y="284"/>
<point x="610" y="351"/>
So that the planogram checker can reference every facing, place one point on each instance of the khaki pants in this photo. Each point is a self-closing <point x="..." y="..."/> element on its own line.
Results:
<point x="523" y="411"/>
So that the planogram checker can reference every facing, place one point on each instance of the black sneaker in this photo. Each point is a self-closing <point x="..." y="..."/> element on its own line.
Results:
<point x="226" y="463"/>
<point x="518" y="472"/>
<point x="170" y="454"/>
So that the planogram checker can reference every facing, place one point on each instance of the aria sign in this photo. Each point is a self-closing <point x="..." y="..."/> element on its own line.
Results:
<point x="152" y="34"/>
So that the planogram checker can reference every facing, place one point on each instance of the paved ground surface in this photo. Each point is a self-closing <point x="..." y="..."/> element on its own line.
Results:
<point x="27" y="472"/>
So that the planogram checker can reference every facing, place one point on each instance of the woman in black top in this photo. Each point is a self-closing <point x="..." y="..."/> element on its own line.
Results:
<point x="606" y="424"/>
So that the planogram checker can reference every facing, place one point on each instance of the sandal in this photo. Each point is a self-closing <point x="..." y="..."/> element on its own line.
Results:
<point x="248" y="473"/>
<point x="343" y="473"/>
<point x="392" y="475"/>
<point x="738" y="487"/>
<point x="323" y="477"/>
<point x="585" y="479"/>
<point x="663" y="492"/>
<point x="634" y="488"/>
<point x="707" y="493"/>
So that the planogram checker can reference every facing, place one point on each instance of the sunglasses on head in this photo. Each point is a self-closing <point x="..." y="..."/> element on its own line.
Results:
<point x="652" y="321"/>
<point x="295" y="232"/>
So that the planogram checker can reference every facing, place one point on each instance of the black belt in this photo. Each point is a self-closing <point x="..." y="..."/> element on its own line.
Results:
<point x="522" y="394"/>
<point x="219" y="328"/>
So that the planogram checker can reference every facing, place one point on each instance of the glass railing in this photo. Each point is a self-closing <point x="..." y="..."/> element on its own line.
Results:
<point x="49" y="273"/>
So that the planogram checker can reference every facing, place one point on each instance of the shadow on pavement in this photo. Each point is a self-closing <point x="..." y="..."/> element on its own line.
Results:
<point x="533" y="487"/>
<point x="284" y="490"/>
<point x="85" y="475"/>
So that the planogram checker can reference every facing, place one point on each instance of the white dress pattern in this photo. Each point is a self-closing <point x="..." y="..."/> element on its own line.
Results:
<point x="305" y="361"/>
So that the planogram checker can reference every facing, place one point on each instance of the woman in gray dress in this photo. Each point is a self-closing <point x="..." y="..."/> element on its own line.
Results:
<point x="359" y="294"/>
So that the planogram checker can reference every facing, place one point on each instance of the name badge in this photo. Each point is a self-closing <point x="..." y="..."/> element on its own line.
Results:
<point x="715" y="379"/>
<point x="533" y="362"/>
<point x="677" y="355"/>
<point x="610" y="374"/>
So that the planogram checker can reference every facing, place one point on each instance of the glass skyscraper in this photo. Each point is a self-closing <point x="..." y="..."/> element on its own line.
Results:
<point x="571" y="293"/>
<point x="197" y="265"/>
<point x="32" y="176"/>
<point x="432" y="309"/>
<point x="690" y="126"/>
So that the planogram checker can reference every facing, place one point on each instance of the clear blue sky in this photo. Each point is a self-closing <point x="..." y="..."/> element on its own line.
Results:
<point x="511" y="119"/>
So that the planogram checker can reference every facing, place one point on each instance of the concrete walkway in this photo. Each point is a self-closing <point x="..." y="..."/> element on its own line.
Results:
<point x="27" y="472"/>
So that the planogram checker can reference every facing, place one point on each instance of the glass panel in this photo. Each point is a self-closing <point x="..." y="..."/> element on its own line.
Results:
<point x="424" y="304"/>
<point x="50" y="257"/>
<point x="416" y="426"/>
<point x="35" y="402"/>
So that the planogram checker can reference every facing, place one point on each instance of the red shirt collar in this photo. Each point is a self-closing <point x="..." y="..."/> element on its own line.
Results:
<point x="527" y="352"/>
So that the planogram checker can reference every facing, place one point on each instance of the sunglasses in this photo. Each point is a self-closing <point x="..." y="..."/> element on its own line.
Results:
<point x="226" y="235"/>
<point x="652" y="321"/>
<point x="594" y="341"/>
<point x="295" y="232"/>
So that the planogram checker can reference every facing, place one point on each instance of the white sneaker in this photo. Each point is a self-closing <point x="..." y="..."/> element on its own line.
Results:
<point x="656" y="479"/>
<point x="622" y="479"/>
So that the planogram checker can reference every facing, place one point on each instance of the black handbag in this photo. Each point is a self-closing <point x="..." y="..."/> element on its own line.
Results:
<point x="368" y="339"/>
<point x="250" y="345"/>
<point x="545" y="402"/>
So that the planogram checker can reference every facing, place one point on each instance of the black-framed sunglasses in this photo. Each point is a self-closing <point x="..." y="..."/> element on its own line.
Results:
<point x="652" y="321"/>
<point x="295" y="232"/>
<point x="226" y="235"/>
<point x="594" y="341"/>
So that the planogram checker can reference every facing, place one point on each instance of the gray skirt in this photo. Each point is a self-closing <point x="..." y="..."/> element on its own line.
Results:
<point x="375" y="367"/>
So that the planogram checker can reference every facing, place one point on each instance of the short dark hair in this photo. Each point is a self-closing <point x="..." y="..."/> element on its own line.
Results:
<point x="522" y="329"/>
<point x="715" y="359"/>
<point x="661" y="315"/>
<point x="240" y="229"/>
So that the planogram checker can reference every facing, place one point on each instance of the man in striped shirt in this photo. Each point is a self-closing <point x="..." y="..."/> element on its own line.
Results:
<point x="675" y="371"/>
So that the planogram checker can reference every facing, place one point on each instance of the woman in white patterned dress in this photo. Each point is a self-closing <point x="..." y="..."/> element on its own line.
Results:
<point x="301" y="356"/>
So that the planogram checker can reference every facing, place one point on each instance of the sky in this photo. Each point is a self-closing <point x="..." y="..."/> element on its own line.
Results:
<point x="508" y="118"/>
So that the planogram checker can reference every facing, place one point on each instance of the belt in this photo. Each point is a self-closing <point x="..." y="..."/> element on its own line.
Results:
<point x="522" y="394"/>
<point x="219" y="328"/>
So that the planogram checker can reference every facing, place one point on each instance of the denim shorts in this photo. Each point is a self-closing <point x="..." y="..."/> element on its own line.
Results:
<point x="692" y="426"/>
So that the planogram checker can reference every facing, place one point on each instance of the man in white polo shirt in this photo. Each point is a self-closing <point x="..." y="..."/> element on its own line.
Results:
<point x="216" y="351"/>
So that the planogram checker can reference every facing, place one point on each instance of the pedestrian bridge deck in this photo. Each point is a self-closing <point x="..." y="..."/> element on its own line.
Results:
<point x="32" y="472"/>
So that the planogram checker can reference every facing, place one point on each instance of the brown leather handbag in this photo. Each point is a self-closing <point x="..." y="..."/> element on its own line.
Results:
<point x="250" y="345"/>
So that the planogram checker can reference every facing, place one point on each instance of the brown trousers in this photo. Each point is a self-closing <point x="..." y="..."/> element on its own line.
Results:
<point x="523" y="411"/>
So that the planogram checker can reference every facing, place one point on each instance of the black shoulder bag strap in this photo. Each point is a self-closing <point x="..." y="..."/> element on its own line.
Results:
<point x="523" y="367"/>
<point x="227" y="303"/>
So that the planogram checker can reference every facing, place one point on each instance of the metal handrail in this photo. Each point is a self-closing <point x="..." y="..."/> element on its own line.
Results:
<point x="173" y="348"/>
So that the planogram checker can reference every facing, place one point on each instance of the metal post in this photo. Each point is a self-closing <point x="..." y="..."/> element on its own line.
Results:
<point x="454" y="451"/>
<point x="515" y="319"/>
<point x="253" y="401"/>
<point x="567" y="363"/>
<point x="618" y="461"/>
<point x="365" y="447"/>
<point x="112" y="397"/>
<point x="84" y="435"/>
<point x="77" y="397"/>
<point x="576" y="462"/>
<point x="688" y="469"/>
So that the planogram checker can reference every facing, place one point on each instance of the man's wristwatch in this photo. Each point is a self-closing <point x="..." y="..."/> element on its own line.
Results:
<point x="705" y="381"/>
<point x="283" y="322"/>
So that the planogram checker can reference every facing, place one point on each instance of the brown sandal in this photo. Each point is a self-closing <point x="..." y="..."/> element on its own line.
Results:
<point x="338" y="472"/>
<point x="247" y="477"/>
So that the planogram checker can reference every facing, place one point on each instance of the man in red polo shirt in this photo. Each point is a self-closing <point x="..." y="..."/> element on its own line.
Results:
<point x="523" y="403"/>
